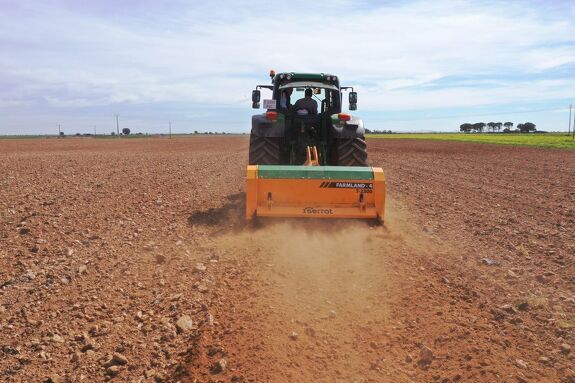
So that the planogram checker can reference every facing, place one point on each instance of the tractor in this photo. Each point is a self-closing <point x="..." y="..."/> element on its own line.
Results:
<point x="282" y="135"/>
<point x="306" y="157"/>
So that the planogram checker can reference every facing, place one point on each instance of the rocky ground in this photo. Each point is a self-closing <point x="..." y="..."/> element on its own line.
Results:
<point x="129" y="260"/>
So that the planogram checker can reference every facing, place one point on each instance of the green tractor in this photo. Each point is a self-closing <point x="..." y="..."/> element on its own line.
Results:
<point x="305" y="111"/>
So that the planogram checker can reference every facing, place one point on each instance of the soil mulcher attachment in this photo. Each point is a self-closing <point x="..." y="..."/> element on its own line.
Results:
<point x="310" y="163"/>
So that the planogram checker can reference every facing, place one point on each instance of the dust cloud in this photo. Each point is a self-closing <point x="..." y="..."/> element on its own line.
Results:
<point x="322" y="263"/>
<point x="322" y="282"/>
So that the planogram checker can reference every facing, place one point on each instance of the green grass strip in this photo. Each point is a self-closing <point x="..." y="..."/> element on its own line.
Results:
<point x="544" y="140"/>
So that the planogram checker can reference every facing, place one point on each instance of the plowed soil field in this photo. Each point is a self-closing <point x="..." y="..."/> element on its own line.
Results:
<point x="129" y="260"/>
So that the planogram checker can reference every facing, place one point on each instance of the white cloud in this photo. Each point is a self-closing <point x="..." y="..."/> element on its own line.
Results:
<point x="214" y="53"/>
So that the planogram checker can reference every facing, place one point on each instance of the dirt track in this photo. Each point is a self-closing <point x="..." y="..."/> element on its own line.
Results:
<point x="106" y="246"/>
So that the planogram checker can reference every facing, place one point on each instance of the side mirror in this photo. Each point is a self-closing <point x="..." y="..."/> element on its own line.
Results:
<point x="256" y="96"/>
<point x="352" y="100"/>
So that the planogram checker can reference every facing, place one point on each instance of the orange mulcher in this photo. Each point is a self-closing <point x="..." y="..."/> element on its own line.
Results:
<point x="315" y="191"/>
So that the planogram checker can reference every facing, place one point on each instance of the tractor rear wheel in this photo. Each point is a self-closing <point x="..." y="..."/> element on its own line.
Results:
<point x="264" y="150"/>
<point x="351" y="151"/>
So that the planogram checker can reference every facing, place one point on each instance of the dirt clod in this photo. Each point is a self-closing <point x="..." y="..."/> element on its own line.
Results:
<point x="220" y="366"/>
<point x="112" y="371"/>
<point x="119" y="358"/>
<point x="425" y="356"/>
<point x="184" y="323"/>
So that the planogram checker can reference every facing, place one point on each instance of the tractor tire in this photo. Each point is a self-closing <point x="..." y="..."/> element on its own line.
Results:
<point x="351" y="151"/>
<point x="264" y="150"/>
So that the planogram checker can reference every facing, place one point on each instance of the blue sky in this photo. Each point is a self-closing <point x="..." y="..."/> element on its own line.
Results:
<point x="417" y="65"/>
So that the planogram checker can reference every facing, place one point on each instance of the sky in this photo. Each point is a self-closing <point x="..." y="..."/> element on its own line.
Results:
<point x="416" y="65"/>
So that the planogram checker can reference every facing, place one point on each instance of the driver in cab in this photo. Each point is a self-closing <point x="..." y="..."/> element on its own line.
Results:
<point x="306" y="105"/>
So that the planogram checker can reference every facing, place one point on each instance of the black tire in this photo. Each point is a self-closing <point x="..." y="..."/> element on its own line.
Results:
<point x="264" y="150"/>
<point x="351" y="151"/>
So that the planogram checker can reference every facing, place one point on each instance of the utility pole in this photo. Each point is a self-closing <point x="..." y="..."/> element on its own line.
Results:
<point x="60" y="132"/>
<point x="569" y="131"/>
<point x="573" y="126"/>
<point x="117" y="126"/>
<point x="170" y="129"/>
<point x="95" y="131"/>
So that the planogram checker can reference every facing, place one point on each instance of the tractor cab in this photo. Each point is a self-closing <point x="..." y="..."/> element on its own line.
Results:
<point x="308" y="108"/>
<point x="291" y="87"/>
<point x="326" y="97"/>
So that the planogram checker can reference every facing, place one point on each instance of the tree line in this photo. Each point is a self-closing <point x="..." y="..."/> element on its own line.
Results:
<point x="479" y="127"/>
<point x="369" y="131"/>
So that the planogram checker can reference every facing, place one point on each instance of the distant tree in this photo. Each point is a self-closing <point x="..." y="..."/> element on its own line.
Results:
<point x="112" y="133"/>
<point x="506" y="130"/>
<point x="78" y="134"/>
<point x="126" y="131"/>
<point x="196" y="132"/>
<point x="508" y="125"/>
<point x="491" y="125"/>
<point x="479" y="126"/>
<point x="465" y="128"/>
<point x="526" y="127"/>
<point x="61" y="134"/>
<point x="498" y="126"/>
